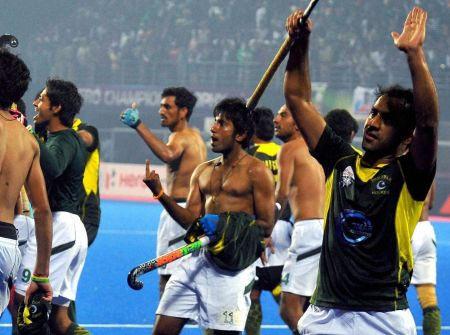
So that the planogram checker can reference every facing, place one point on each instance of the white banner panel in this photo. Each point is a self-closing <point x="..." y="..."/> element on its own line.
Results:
<point x="124" y="181"/>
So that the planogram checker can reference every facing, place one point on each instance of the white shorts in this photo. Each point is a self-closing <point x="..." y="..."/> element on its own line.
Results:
<point x="324" y="321"/>
<point x="9" y="263"/>
<point x="214" y="298"/>
<point x="424" y="252"/>
<point x="302" y="266"/>
<point x="281" y="239"/>
<point x="170" y="237"/>
<point x="26" y="234"/>
<point x="69" y="249"/>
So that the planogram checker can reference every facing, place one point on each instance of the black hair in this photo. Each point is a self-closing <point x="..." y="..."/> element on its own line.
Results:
<point x="263" y="121"/>
<point x="183" y="98"/>
<point x="342" y="123"/>
<point x="65" y="94"/>
<point x="401" y="105"/>
<point x="21" y="107"/>
<point x="14" y="78"/>
<point x="235" y="110"/>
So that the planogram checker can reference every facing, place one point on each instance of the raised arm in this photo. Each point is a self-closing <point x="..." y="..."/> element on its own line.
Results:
<point x="263" y="197"/>
<point x="424" y="144"/>
<point x="166" y="152"/>
<point x="184" y="216"/>
<point x="297" y="83"/>
<point x="35" y="185"/>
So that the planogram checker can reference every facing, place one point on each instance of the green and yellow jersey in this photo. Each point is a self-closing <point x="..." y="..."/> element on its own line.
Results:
<point x="267" y="152"/>
<point x="90" y="202"/>
<point x="366" y="260"/>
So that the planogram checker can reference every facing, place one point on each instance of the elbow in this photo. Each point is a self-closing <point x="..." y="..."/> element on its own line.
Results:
<point x="42" y="213"/>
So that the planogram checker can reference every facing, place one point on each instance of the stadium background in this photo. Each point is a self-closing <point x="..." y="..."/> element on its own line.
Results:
<point x="117" y="52"/>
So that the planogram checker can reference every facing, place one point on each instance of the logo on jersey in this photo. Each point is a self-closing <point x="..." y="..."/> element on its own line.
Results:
<point x="348" y="177"/>
<point x="381" y="185"/>
<point x="353" y="227"/>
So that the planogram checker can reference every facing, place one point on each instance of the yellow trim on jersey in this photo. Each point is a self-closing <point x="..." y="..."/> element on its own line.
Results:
<point x="92" y="168"/>
<point x="366" y="173"/>
<point x="406" y="217"/>
<point x="328" y="195"/>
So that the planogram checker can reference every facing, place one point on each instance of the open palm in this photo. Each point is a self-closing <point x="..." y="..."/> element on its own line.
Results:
<point x="413" y="34"/>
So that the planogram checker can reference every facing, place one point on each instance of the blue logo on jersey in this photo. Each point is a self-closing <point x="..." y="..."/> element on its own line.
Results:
<point x="353" y="227"/>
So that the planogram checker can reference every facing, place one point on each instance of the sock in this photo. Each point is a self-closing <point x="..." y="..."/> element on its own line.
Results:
<point x="75" y="329"/>
<point x="431" y="321"/>
<point x="254" y="319"/>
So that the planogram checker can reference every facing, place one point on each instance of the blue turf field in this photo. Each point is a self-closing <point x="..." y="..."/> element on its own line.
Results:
<point x="127" y="237"/>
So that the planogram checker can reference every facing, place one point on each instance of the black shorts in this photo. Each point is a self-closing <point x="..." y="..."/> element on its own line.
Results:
<point x="268" y="278"/>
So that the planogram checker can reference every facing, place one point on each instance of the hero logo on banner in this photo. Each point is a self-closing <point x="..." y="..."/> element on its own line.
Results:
<point x="124" y="181"/>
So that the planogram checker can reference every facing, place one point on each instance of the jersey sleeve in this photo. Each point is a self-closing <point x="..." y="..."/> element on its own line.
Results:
<point x="330" y="149"/>
<point x="417" y="181"/>
<point x="94" y="133"/>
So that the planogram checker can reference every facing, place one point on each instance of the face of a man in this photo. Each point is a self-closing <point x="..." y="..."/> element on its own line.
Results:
<point x="42" y="107"/>
<point x="222" y="134"/>
<point x="380" y="133"/>
<point x="284" y="124"/>
<point x="169" y="112"/>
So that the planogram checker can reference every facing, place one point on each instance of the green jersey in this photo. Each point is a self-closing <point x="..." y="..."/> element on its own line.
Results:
<point x="366" y="259"/>
<point x="63" y="158"/>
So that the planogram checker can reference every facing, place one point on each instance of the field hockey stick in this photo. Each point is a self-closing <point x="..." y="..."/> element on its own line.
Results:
<point x="162" y="260"/>
<point x="277" y="60"/>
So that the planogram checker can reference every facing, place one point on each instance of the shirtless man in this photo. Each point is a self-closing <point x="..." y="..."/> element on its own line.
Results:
<point x="184" y="150"/>
<point x="200" y="289"/>
<point x="302" y="183"/>
<point x="19" y="165"/>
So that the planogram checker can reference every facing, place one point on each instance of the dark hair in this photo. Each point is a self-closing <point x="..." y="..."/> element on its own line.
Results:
<point x="263" y="120"/>
<point x="183" y="98"/>
<point x="342" y="123"/>
<point x="14" y="78"/>
<point x="401" y="105"/>
<point x="21" y="107"/>
<point x="234" y="109"/>
<point x="65" y="94"/>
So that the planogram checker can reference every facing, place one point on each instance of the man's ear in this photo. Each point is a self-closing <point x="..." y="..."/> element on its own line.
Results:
<point x="407" y="141"/>
<point x="56" y="109"/>
<point x="240" y="137"/>
<point x="184" y="112"/>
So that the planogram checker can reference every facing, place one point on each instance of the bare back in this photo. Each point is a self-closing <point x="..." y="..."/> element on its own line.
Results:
<point x="19" y="150"/>
<point x="307" y="188"/>
<point x="179" y="171"/>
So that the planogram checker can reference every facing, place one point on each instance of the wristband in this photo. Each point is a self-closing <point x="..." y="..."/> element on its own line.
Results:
<point x="159" y="195"/>
<point x="40" y="279"/>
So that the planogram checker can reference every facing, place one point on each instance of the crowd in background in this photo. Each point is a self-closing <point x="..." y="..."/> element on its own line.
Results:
<point x="96" y="40"/>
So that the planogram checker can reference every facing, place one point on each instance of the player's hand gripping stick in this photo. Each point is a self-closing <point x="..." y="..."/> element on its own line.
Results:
<point x="277" y="60"/>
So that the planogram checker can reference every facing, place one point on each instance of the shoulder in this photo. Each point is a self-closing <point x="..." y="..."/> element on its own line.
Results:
<point x="256" y="167"/>
<point x="202" y="167"/>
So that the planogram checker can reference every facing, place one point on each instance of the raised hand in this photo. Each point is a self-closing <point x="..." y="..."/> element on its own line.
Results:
<point x="414" y="31"/>
<point x="130" y="116"/>
<point x="152" y="180"/>
<point x="293" y="26"/>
